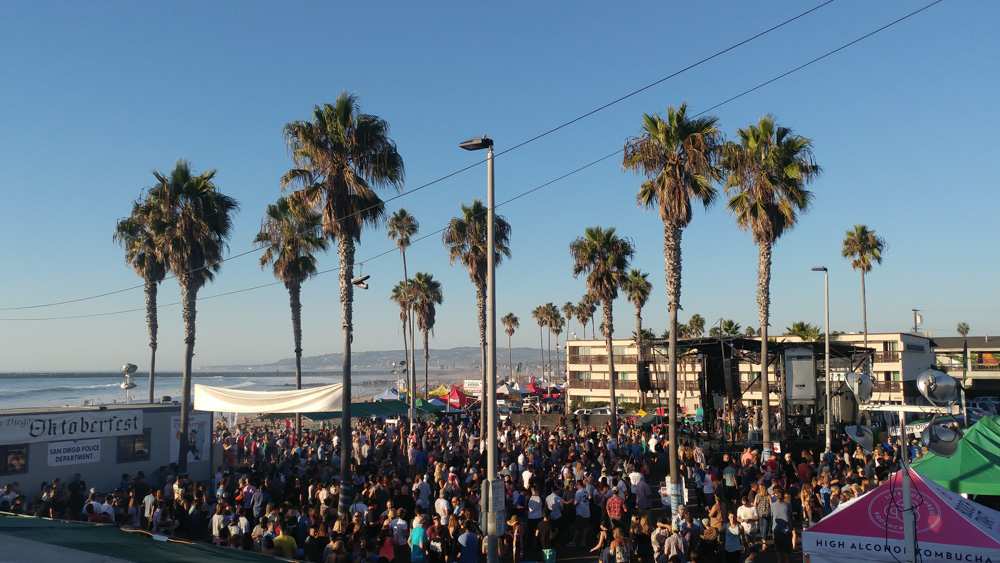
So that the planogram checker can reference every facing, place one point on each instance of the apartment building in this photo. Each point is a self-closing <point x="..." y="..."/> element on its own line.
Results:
<point x="983" y="370"/>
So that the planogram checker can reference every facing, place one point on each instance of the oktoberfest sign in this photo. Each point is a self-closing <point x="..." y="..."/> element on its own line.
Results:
<point x="29" y="428"/>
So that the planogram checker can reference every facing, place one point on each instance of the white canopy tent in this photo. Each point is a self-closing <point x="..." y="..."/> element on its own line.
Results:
<point x="327" y="398"/>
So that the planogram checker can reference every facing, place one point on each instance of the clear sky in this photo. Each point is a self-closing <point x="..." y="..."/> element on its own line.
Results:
<point x="95" y="96"/>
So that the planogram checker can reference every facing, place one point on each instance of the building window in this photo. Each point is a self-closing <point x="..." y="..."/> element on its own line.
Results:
<point x="895" y="376"/>
<point x="134" y="448"/>
<point x="13" y="459"/>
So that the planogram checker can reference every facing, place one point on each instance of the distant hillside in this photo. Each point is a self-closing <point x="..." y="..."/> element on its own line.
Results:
<point x="466" y="357"/>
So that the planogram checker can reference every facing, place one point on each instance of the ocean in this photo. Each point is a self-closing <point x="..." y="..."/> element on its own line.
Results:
<point x="18" y="390"/>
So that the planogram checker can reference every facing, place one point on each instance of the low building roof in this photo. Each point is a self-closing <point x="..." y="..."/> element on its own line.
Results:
<point x="956" y="342"/>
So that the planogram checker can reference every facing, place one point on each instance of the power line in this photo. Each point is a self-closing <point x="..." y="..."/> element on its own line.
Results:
<point x="550" y="182"/>
<point x="475" y="164"/>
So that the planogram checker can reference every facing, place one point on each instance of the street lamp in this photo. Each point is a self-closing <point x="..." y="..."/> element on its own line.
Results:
<point x="826" y="352"/>
<point x="493" y="495"/>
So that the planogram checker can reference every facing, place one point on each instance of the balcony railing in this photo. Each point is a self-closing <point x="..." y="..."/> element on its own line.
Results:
<point x="682" y="386"/>
<point x="888" y="386"/>
<point x="892" y="356"/>
<point x="953" y="369"/>
<point x="602" y="359"/>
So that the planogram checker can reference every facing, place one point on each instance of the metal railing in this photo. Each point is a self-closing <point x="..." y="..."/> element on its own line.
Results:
<point x="890" y="356"/>
<point x="888" y="386"/>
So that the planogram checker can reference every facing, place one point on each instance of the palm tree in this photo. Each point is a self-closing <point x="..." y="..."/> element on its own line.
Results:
<point x="402" y="295"/>
<point x="568" y="311"/>
<point x="510" y="326"/>
<point x="767" y="173"/>
<point x="552" y="320"/>
<point x="540" y="315"/>
<point x="558" y="323"/>
<point x="401" y="227"/>
<point x="604" y="257"/>
<point x="864" y="248"/>
<point x="726" y="327"/>
<point x="679" y="158"/>
<point x="291" y="236"/>
<point x="749" y="331"/>
<point x="584" y="313"/>
<point x="465" y="238"/>
<point x="589" y="303"/>
<point x="637" y="288"/>
<point x="193" y="220"/>
<point x="426" y="297"/>
<point x="806" y="331"/>
<point x="963" y="329"/>
<point x="696" y="326"/>
<point x="341" y="157"/>
<point x="136" y="236"/>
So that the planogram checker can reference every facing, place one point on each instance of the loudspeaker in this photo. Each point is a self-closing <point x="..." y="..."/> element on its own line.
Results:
<point x="643" y="375"/>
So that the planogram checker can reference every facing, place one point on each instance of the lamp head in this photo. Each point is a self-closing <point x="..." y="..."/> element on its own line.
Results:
<point x="476" y="143"/>
<point x="129" y="369"/>
<point x="819" y="269"/>
<point x="940" y="439"/>
<point x="937" y="387"/>
<point x="862" y="436"/>
<point x="360" y="281"/>
<point x="861" y="385"/>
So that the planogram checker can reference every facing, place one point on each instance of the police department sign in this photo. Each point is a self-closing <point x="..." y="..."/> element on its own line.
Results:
<point x="74" y="453"/>
<point x="28" y="428"/>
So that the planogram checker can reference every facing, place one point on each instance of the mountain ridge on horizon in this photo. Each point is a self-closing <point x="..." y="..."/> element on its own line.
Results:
<point x="460" y="357"/>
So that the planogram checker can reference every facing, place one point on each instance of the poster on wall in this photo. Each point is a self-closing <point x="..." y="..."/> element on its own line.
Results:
<point x="74" y="453"/>
<point x="30" y="428"/>
<point x="199" y="437"/>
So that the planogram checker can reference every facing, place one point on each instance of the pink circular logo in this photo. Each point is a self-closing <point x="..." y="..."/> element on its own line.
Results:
<point x="886" y="512"/>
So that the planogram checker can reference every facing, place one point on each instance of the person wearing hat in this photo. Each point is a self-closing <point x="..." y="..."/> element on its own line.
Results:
<point x="515" y="538"/>
<point x="659" y="539"/>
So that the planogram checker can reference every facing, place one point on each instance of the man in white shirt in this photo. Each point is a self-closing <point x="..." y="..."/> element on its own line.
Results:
<point x="442" y="508"/>
<point x="148" y="505"/>
<point x="554" y="503"/>
<point x="746" y="515"/>
<point x="526" y="476"/>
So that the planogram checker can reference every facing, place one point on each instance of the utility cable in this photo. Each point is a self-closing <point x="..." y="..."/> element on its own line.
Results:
<point x="475" y="164"/>
<point x="550" y="182"/>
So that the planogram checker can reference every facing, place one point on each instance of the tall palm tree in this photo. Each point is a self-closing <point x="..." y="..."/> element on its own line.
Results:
<point x="767" y="174"/>
<point x="552" y="320"/>
<point x="426" y="297"/>
<point x="401" y="227"/>
<point x="604" y="257"/>
<point x="402" y="295"/>
<point x="679" y="157"/>
<point x="864" y="248"/>
<point x="584" y="312"/>
<point x="726" y="327"/>
<point x="557" y="326"/>
<point x="540" y="315"/>
<point x="696" y="326"/>
<point x="806" y="331"/>
<point x="194" y="221"/>
<point x="465" y="238"/>
<point x="637" y="288"/>
<point x="589" y="303"/>
<point x="136" y="236"/>
<point x="510" y="326"/>
<point x="963" y="329"/>
<point x="568" y="311"/>
<point x="341" y="157"/>
<point x="291" y="237"/>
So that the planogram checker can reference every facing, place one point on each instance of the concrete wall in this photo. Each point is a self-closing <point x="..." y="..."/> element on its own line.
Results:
<point x="105" y="475"/>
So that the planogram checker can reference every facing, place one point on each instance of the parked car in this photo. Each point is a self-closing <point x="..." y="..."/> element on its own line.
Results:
<point x="579" y="412"/>
<point x="607" y="411"/>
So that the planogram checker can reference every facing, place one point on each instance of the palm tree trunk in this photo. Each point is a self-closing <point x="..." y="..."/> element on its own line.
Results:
<point x="593" y="327"/>
<point x="638" y="353"/>
<point x="345" y="250"/>
<point x="427" y="359"/>
<point x="295" y="302"/>
<point x="411" y="369"/>
<point x="672" y="266"/>
<point x="541" y="349"/>
<point x="481" y="311"/>
<point x="153" y="326"/>
<point x="548" y="347"/>
<point x="510" y="357"/>
<point x="189" y="296"/>
<point x="612" y="387"/>
<point x="864" y="308"/>
<point x="764" y="310"/>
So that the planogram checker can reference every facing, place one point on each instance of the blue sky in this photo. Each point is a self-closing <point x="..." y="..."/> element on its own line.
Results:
<point x="97" y="95"/>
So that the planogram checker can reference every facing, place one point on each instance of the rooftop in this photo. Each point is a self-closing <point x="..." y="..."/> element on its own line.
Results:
<point x="90" y="408"/>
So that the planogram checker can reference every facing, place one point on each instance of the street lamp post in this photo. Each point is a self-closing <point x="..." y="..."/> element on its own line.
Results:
<point x="494" y="495"/>
<point x="826" y="353"/>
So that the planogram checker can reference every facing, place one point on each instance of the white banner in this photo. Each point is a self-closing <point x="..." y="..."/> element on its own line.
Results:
<point x="473" y="387"/>
<point x="73" y="453"/>
<point x="314" y="399"/>
<point x="29" y="428"/>
<point x="199" y="437"/>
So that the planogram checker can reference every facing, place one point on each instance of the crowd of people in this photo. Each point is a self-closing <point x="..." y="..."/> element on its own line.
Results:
<point x="572" y="488"/>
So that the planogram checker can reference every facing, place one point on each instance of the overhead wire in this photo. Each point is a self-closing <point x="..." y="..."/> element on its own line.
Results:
<point x="475" y="164"/>
<point x="728" y="100"/>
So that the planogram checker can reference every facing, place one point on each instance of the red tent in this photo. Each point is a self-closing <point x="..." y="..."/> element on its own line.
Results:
<point x="457" y="399"/>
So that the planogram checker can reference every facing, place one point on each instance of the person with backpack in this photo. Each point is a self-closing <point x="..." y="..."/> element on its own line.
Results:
<point x="619" y="550"/>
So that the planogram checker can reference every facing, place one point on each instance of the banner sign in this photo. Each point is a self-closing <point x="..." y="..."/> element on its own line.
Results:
<point x="472" y="387"/>
<point x="30" y="428"/>
<point x="199" y="436"/>
<point x="74" y="453"/>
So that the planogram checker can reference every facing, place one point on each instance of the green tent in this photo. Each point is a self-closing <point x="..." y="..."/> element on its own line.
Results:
<point x="427" y="406"/>
<point x="975" y="467"/>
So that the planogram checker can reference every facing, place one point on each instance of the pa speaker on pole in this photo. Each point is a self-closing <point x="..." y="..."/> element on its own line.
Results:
<point x="643" y="375"/>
